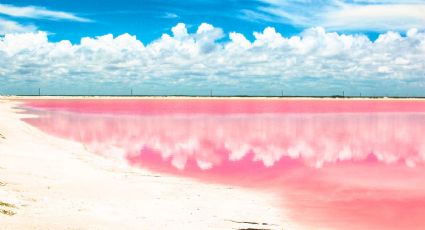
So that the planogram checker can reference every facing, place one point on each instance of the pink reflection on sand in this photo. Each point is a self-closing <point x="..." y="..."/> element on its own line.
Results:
<point x="356" y="170"/>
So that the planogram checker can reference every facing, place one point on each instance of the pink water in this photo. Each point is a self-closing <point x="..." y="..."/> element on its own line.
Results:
<point x="334" y="164"/>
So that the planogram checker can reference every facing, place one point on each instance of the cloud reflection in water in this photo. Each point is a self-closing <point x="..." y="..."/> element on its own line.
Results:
<point x="333" y="170"/>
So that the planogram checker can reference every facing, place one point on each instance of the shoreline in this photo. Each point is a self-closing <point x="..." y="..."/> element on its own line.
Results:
<point x="71" y="97"/>
<point x="51" y="183"/>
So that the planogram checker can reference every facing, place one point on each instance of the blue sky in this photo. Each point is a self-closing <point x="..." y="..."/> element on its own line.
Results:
<point x="306" y="47"/>
<point x="147" y="19"/>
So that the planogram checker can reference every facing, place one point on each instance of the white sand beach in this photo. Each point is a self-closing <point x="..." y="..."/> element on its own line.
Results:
<point x="50" y="183"/>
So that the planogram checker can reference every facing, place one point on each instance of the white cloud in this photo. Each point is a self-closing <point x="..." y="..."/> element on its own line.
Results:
<point x="367" y="15"/>
<point x="377" y="17"/>
<point x="170" y="15"/>
<point x="314" y="60"/>
<point x="38" y="13"/>
<point x="8" y="26"/>
<point x="180" y="30"/>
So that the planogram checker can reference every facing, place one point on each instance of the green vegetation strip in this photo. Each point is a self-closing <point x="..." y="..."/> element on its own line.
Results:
<point x="4" y="204"/>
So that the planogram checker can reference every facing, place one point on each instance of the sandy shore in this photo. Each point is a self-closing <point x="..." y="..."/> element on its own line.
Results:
<point x="50" y="183"/>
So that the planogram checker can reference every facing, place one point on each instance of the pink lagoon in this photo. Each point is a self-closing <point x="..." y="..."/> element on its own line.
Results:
<point x="331" y="163"/>
<point x="212" y="114"/>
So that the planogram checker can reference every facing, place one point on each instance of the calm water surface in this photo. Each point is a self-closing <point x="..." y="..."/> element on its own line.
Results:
<point x="334" y="164"/>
